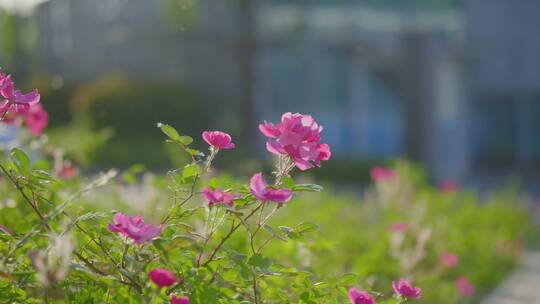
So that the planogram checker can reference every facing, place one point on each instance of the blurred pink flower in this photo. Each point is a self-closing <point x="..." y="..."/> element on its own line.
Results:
<point x="217" y="196"/>
<point x="180" y="300"/>
<point x="134" y="228"/>
<point x="465" y="288"/>
<point x="12" y="99"/>
<point x="400" y="227"/>
<point x="405" y="289"/>
<point x="379" y="174"/>
<point x="299" y="137"/>
<point x="360" y="297"/>
<point x="449" y="186"/>
<point x="36" y="119"/>
<point x="449" y="259"/>
<point x="218" y="139"/>
<point x="68" y="171"/>
<point x="162" y="277"/>
<point x="263" y="192"/>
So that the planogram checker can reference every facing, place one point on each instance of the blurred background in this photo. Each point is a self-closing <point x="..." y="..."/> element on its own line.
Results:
<point x="453" y="85"/>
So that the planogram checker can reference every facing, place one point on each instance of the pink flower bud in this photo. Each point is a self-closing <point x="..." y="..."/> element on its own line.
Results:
<point x="465" y="288"/>
<point x="379" y="174"/>
<point x="180" y="300"/>
<point x="218" y="139"/>
<point x="360" y="297"/>
<point x="134" y="228"/>
<point x="162" y="277"/>
<point x="405" y="289"/>
<point x="263" y="192"/>
<point x="216" y="196"/>
<point x="448" y="259"/>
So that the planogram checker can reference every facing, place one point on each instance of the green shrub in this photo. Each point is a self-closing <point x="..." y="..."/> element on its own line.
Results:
<point x="131" y="110"/>
<point x="486" y="235"/>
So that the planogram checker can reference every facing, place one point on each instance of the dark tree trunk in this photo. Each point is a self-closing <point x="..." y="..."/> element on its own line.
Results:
<point x="246" y="52"/>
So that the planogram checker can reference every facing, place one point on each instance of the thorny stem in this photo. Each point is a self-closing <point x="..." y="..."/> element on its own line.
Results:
<point x="259" y="225"/>
<point x="213" y="153"/>
<point x="185" y="200"/>
<point x="123" y="263"/>
<point x="255" y="289"/>
<point x="229" y="234"/>
<point x="266" y="242"/>
<point x="213" y="222"/>
<point x="26" y="198"/>
<point x="284" y="166"/>
<point x="89" y="264"/>
<point x="43" y="219"/>
<point x="207" y="239"/>
<point x="34" y="207"/>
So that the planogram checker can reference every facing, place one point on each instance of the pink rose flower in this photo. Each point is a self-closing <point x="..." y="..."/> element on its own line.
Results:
<point x="449" y="186"/>
<point x="23" y="107"/>
<point x="36" y="119"/>
<point x="263" y="192"/>
<point x="162" y="277"/>
<point x="180" y="300"/>
<point x="360" y="297"/>
<point x="12" y="99"/>
<point x="379" y="174"/>
<point x="405" y="289"/>
<point x="400" y="227"/>
<point x="448" y="259"/>
<point x="218" y="139"/>
<point x="134" y="228"/>
<point x="299" y="137"/>
<point x="465" y="288"/>
<point x="217" y="196"/>
<point x="3" y="79"/>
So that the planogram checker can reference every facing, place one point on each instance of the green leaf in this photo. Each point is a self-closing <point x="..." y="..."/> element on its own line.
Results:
<point x="182" y="241"/>
<point x="260" y="261"/>
<point x="178" y="214"/>
<point x="185" y="175"/>
<point x="44" y="177"/>
<point x="185" y="140"/>
<point x="285" y="229"/>
<point x="348" y="279"/>
<point x="288" y="182"/>
<point x="20" y="160"/>
<point x="90" y="216"/>
<point x="304" y="228"/>
<point x="160" y="244"/>
<point x="189" y="172"/>
<point x="308" y="188"/>
<point x="273" y="232"/>
<point x="169" y="131"/>
<point x="194" y="152"/>
<point x="289" y="232"/>
<point x="237" y="257"/>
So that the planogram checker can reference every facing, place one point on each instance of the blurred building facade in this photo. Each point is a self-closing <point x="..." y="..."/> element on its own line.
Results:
<point x="82" y="40"/>
<point x="455" y="87"/>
